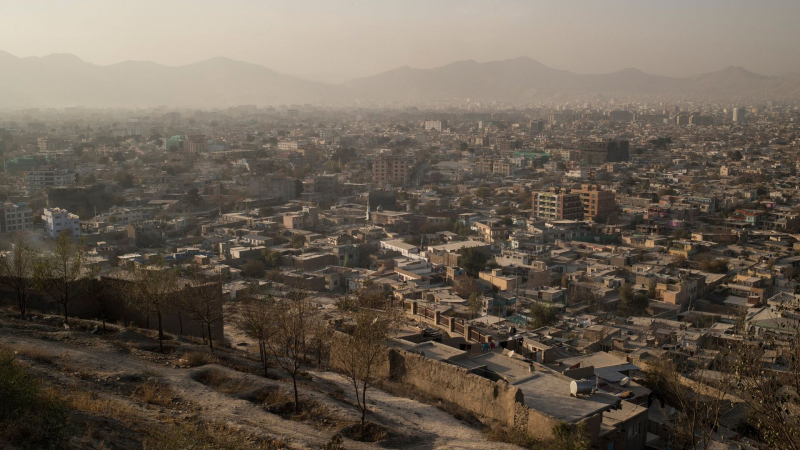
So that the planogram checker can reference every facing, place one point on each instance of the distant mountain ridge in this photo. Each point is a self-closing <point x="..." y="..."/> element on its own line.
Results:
<point x="60" y="80"/>
<point x="524" y="79"/>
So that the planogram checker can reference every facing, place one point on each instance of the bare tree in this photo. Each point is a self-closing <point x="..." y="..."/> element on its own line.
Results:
<point x="155" y="290"/>
<point x="16" y="271"/>
<point x="204" y="302"/>
<point x="293" y="322"/>
<point x="771" y="384"/>
<point x="360" y="355"/>
<point x="255" y="319"/>
<point x="62" y="275"/>
<point x="464" y="286"/>
<point x="700" y="403"/>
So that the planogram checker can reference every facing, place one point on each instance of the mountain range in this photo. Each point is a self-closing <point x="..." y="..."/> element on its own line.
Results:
<point x="61" y="80"/>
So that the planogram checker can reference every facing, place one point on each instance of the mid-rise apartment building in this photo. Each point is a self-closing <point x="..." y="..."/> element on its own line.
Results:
<point x="15" y="217"/>
<point x="48" y="177"/>
<point x="486" y="166"/>
<point x="739" y="115"/>
<point x="391" y="170"/>
<point x="197" y="143"/>
<point x="51" y="144"/>
<point x="437" y="125"/>
<point x="557" y="204"/>
<point x="603" y="151"/>
<point x="57" y="220"/>
<point x="597" y="202"/>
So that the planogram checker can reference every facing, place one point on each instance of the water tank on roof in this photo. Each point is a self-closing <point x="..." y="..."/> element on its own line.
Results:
<point x="580" y="387"/>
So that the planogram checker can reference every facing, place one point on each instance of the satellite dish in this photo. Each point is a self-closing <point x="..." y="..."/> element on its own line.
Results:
<point x="511" y="353"/>
<point x="624" y="381"/>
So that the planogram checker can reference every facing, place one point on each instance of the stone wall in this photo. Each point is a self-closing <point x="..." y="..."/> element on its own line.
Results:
<point x="486" y="398"/>
<point x="495" y="400"/>
<point x="101" y="300"/>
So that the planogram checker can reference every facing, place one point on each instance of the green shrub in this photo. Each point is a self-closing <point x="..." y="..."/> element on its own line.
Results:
<point x="30" y="417"/>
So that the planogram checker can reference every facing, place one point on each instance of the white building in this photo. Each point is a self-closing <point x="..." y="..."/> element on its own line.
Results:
<point x="124" y="216"/>
<point x="437" y="125"/>
<point x="398" y="245"/>
<point x="15" y="217"/>
<point x="57" y="220"/>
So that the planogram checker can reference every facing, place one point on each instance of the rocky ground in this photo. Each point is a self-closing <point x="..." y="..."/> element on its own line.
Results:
<point x="126" y="394"/>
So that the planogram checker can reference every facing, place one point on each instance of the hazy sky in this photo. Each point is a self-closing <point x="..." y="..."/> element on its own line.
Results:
<point x="334" y="40"/>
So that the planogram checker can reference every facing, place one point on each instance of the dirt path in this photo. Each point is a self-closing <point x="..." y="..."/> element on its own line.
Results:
<point x="214" y="405"/>
<point x="426" y="426"/>
<point x="445" y="431"/>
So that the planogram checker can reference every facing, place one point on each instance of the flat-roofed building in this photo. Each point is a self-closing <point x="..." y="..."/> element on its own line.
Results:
<point x="557" y="204"/>
<point x="597" y="203"/>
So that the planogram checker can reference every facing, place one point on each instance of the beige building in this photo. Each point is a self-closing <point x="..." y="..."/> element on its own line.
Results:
<point x="492" y="231"/>
<point x="597" y="203"/>
<point x="391" y="170"/>
<point x="558" y="204"/>
<point x="502" y="282"/>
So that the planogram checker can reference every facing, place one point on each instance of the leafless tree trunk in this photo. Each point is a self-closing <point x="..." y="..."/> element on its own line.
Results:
<point x="359" y="357"/>
<point x="204" y="302"/>
<point x="294" y="320"/>
<point x="16" y="271"/>
<point x="62" y="275"/>
<point x="154" y="290"/>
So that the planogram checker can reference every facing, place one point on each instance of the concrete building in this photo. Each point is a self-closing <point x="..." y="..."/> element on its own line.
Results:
<point x="391" y="170"/>
<point x="502" y="282"/>
<point x="285" y="188"/>
<point x="557" y="204"/>
<point x="57" y="220"/>
<point x="437" y="125"/>
<point x="603" y="151"/>
<point x="696" y="119"/>
<point x="124" y="216"/>
<point x="197" y="143"/>
<point x="597" y="202"/>
<point x="175" y="142"/>
<point x="491" y="230"/>
<point x="287" y="145"/>
<point x="487" y="166"/>
<point x="405" y="249"/>
<point x="51" y="144"/>
<point x="15" y="217"/>
<point x="739" y="115"/>
<point x="48" y="177"/>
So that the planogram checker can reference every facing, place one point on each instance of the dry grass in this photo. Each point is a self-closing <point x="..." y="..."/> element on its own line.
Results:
<point x="211" y="377"/>
<point x="74" y="369"/>
<point x="279" y="401"/>
<point x="35" y="354"/>
<point x="238" y="364"/>
<point x="154" y="393"/>
<point x="99" y="405"/>
<point x="372" y="432"/>
<point x="186" y="434"/>
<point x="197" y="359"/>
<point x="502" y="433"/>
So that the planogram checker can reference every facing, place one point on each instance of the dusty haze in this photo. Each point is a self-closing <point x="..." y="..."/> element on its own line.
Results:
<point x="334" y="41"/>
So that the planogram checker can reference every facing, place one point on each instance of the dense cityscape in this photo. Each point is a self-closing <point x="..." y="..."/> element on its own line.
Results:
<point x="428" y="225"/>
<point x="638" y="254"/>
